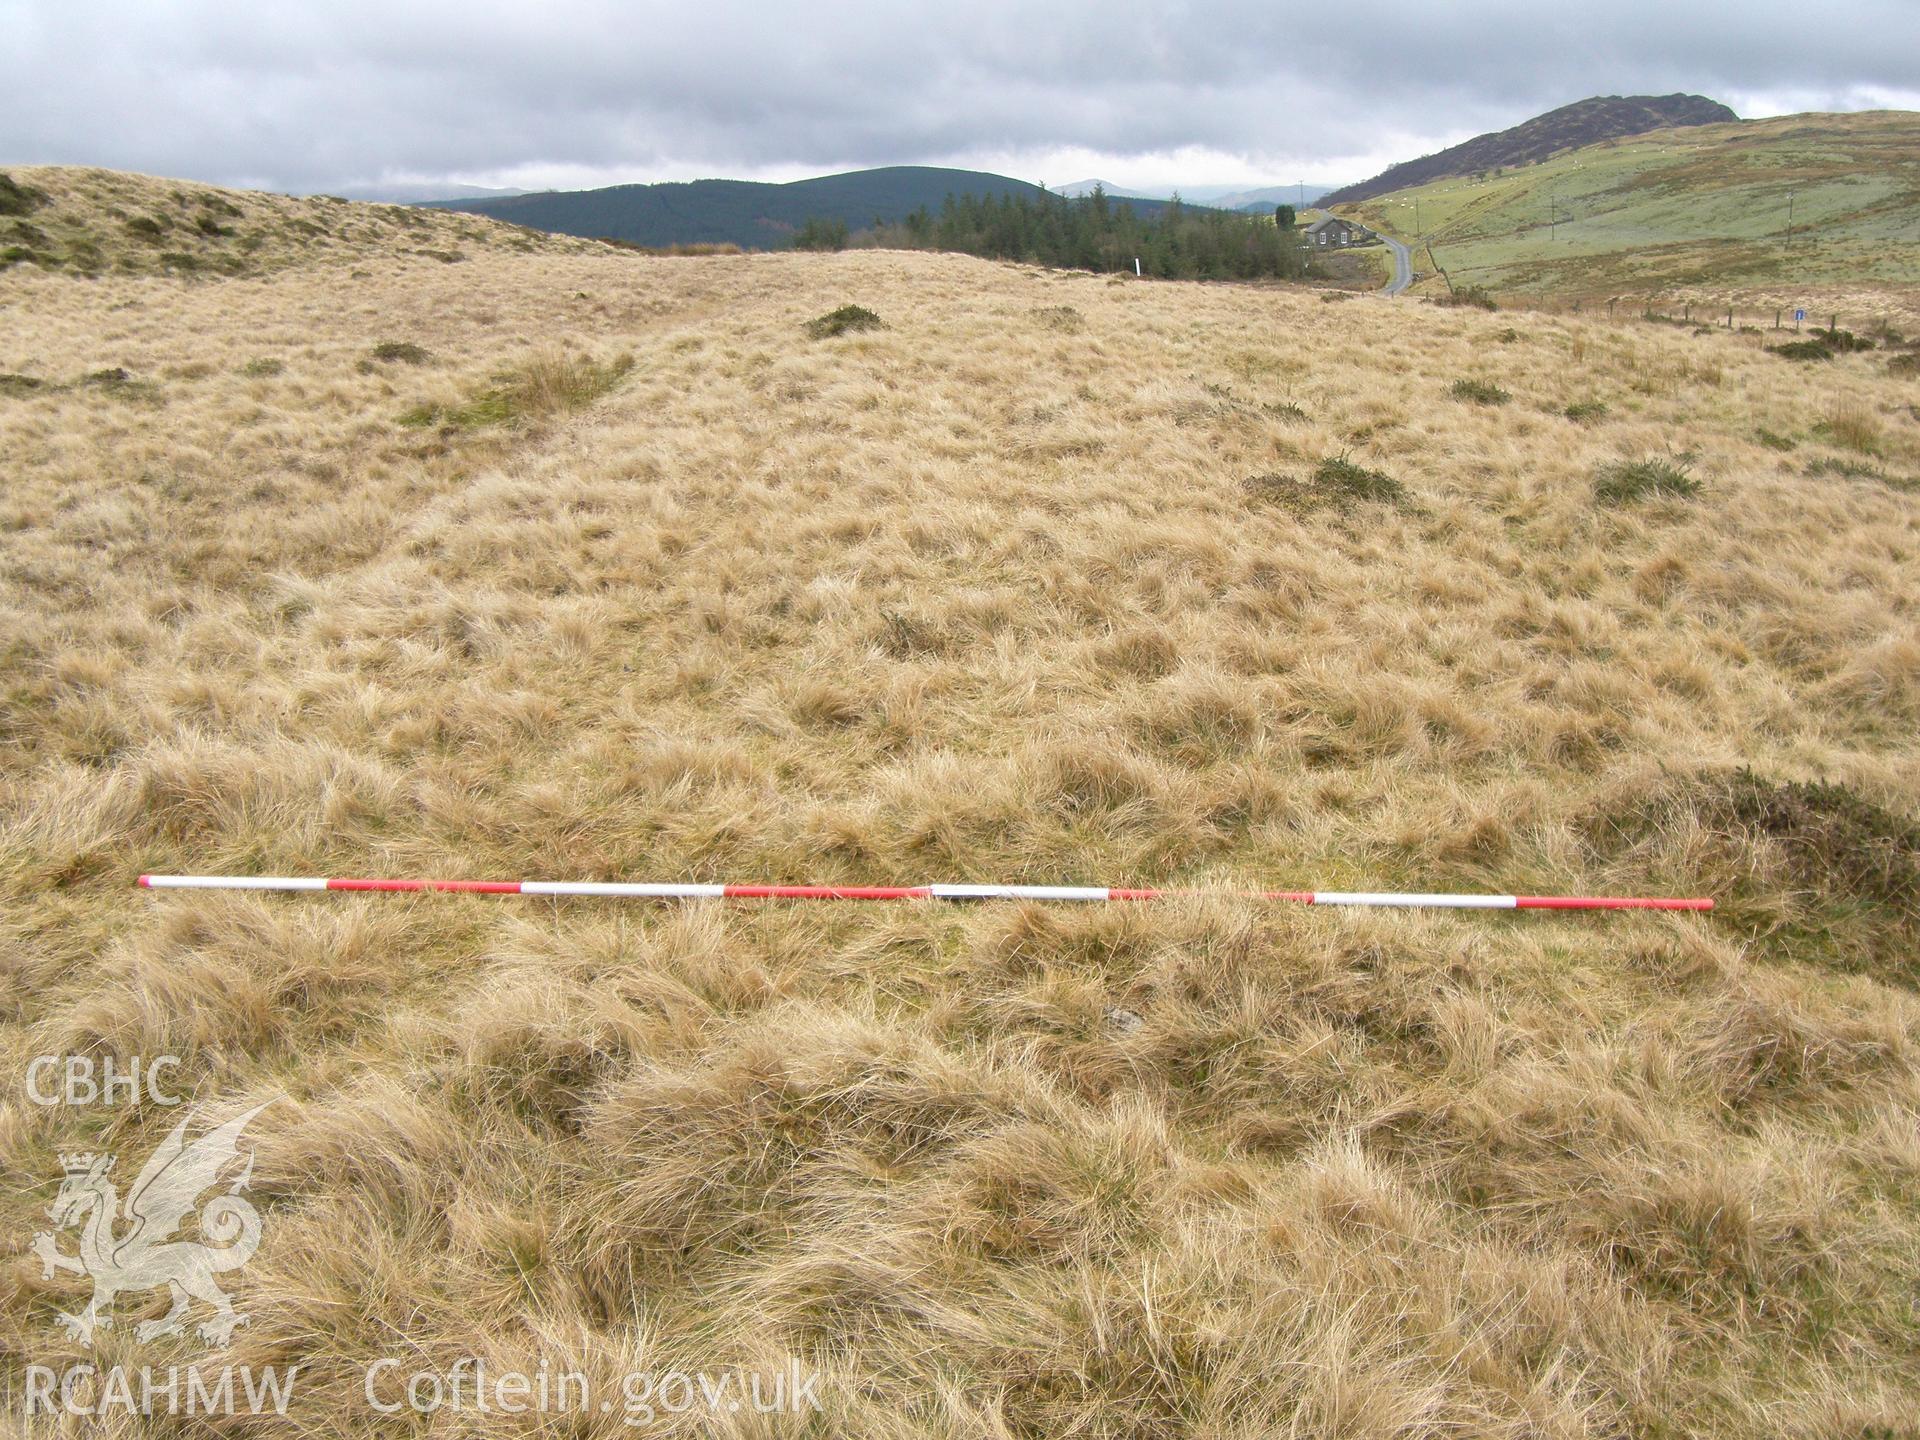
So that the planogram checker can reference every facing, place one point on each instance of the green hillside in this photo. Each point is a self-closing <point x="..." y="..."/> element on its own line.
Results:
<point x="745" y="212"/>
<point x="1703" y="205"/>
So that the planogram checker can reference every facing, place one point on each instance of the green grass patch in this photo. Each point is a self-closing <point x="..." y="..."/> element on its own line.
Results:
<point x="1626" y="482"/>
<point x="11" y="384"/>
<point x="1335" y="483"/>
<point x="1479" y="392"/>
<point x="1582" y="412"/>
<point x="18" y="199"/>
<point x="1774" y="441"/>
<point x="116" y="381"/>
<point x="262" y="369"/>
<point x="1061" y="317"/>
<point x="847" y="319"/>
<point x="546" y="386"/>
<point x="1855" y="863"/>
<point x="1833" y="465"/>
<point x="401" y="352"/>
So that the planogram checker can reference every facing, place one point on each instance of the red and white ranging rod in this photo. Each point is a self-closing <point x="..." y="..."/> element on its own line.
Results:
<point x="676" y="890"/>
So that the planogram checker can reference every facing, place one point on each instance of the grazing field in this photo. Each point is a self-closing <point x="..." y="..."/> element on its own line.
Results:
<point x="592" y="565"/>
<point x="1704" y="207"/>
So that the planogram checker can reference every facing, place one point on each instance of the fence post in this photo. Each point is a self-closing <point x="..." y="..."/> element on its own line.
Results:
<point x="1776" y="319"/>
<point x="1687" y="314"/>
<point x="1729" y="317"/>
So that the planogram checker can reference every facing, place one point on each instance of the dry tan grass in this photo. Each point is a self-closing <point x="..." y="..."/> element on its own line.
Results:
<point x="93" y="222"/>
<point x="978" y="595"/>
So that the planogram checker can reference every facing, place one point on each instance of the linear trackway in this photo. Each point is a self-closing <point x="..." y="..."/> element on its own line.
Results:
<point x="1402" y="265"/>
<point x="677" y="890"/>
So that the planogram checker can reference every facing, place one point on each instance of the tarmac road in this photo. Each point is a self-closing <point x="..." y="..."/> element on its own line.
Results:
<point x="1402" y="267"/>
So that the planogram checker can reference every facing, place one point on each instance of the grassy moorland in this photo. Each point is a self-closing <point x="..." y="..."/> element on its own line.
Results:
<point x="101" y="222"/>
<point x="586" y="564"/>
<point x="1702" y="208"/>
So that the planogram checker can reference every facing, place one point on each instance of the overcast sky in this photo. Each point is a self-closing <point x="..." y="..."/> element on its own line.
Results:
<point x="571" y="93"/>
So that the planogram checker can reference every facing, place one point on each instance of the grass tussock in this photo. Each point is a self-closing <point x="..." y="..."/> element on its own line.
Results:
<point x="846" y="320"/>
<point x="1337" y="483"/>
<point x="1626" y="482"/>
<point x="1848" y="469"/>
<point x="1814" y="869"/>
<point x="18" y="199"/>
<point x="953" y="604"/>
<point x="1582" y="412"/>
<point x="549" y="385"/>
<point x="1063" y="318"/>
<point x="1479" y="392"/>
<point x="400" y="352"/>
<point x="1851" y="425"/>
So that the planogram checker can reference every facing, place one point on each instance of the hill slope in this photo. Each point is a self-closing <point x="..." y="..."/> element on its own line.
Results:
<point x="1585" y="122"/>
<point x="1707" y="205"/>
<point x="90" y="222"/>
<point x="749" y="213"/>
<point x="1052" y="577"/>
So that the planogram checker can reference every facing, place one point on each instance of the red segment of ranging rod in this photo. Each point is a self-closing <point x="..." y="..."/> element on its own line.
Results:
<point x="692" y="890"/>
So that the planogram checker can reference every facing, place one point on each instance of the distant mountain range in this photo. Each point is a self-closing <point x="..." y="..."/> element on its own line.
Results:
<point x="1218" y="197"/>
<point x="751" y="213"/>
<point x="1585" y="122"/>
<point x="421" y="193"/>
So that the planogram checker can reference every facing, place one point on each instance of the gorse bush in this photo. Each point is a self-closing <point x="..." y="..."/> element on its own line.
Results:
<point x="1479" y="392"/>
<point x="1476" y="297"/>
<point x="1824" y="345"/>
<point x="842" y="321"/>
<point x="1626" y="481"/>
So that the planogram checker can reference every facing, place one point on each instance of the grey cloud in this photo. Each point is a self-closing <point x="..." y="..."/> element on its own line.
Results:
<point x="314" y="95"/>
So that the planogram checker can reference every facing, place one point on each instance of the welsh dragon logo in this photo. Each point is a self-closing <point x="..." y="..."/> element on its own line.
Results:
<point x="129" y="1244"/>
